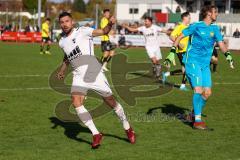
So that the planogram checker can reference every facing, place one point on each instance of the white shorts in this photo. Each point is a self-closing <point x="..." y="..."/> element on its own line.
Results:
<point x="100" y="85"/>
<point x="154" y="52"/>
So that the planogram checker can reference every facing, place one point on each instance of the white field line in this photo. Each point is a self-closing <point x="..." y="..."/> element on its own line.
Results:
<point x="49" y="88"/>
<point x="22" y="75"/>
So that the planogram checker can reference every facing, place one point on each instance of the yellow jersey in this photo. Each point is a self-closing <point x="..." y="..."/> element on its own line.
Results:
<point x="104" y="23"/>
<point x="45" y="30"/>
<point x="177" y="32"/>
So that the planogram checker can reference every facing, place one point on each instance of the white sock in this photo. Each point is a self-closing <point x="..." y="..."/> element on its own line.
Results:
<point x="86" y="118"/>
<point x="183" y="85"/>
<point x="167" y="74"/>
<point x="121" y="115"/>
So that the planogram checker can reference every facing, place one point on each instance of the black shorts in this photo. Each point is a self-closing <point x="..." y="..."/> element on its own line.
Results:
<point x="180" y="57"/>
<point x="215" y="53"/>
<point x="45" y="39"/>
<point x="106" y="46"/>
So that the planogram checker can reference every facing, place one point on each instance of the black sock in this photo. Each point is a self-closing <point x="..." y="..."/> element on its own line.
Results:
<point x="103" y="59"/>
<point x="184" y="78"/>
<point x="109" y="58"/>
<point x="48" y="47"/>
<point x="41" y="48"/>
<point x="214" y="67"/>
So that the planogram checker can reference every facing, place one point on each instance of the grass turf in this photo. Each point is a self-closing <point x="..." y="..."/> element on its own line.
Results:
<point x="29" y="128"/>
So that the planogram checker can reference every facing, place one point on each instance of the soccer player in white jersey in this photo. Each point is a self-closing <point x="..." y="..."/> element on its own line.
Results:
<point x="77" y="44"/>
<point x="152" y="44"/>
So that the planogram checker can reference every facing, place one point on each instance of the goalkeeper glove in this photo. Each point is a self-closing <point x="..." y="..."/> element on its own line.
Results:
<point x="229" y="58"/>
<point x="171" y="57"/>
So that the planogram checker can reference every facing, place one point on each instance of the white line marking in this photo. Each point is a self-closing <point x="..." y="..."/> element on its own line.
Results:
<point x="23" y="89"/>
<point x="49" y="88"/>
<point x="22" y="75"/>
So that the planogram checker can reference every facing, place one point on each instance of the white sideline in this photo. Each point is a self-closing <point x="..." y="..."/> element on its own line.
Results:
<point x="23" y="75"/>
<point x="49" y="88"/>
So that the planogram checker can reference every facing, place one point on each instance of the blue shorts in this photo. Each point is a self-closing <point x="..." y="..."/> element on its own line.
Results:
<point x="198" y="75"/>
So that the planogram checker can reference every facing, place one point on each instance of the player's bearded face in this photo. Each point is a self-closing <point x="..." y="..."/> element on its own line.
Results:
<point x="66" y="24"/>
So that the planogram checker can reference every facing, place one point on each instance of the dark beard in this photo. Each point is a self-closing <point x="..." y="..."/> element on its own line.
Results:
<point x="67" y="33"/>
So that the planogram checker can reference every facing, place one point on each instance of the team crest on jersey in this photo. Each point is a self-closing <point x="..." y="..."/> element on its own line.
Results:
<point x="74" y="40"/>
<point x="211" y="34"/>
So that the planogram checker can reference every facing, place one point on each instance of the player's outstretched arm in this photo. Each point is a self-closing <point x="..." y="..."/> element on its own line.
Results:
<point x="63" y="68"/>
<point x="167" y="31"/>
<point x="124" y="25"/>
<point x="105" y="30"/>
<point x="227" y="53"/>
<point x="171" y="56"/>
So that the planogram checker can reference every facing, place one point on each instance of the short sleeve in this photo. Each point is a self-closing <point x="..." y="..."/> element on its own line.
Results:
<point x="159" y="29"/>
<point x="218" y="34"/>
<point x="175" y="32"/>
<point x="60" y="43"/>
<point x="103" y="23"/>
<point x="189" y="30"/>
<point x="86" y="31"/>
<point x="140" y="29"/>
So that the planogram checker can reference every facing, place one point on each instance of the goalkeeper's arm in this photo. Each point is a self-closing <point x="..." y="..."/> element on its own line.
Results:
<point x="226" y="52"/>
<point x="171" y="57"/>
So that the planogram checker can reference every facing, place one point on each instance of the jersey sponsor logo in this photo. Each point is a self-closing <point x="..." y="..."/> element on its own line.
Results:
<point x="149" y="34"/>
<point x="211" y="34"/>
<point x="76" y="52"/>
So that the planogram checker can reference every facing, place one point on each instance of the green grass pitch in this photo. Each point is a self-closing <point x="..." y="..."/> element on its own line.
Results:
<point x="29" y="129"/>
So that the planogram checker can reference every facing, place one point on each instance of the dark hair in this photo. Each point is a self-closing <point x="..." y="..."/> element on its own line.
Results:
<point x="205" y="10"/>
<point x="106" y="10"/>
<point x="48" y="19"/>
<point x="185" y="14"/>
<point x="64" y="14"/>
<point x="148" y="18"/>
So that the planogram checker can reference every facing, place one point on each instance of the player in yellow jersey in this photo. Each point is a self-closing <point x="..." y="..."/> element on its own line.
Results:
<point x="45" y="37"/>
<point x="182" y="47"/>
<point x="106" y="45"/>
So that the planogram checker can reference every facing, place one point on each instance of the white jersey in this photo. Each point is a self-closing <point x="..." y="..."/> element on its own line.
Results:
<point x="151" y="35"/>
<point x="78" y="43"/>
<point x="87" y="72"/>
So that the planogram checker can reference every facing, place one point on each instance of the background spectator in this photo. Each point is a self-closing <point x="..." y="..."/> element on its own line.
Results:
<point x="236" y="34"/>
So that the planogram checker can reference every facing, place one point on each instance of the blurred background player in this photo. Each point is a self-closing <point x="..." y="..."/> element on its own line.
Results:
<point x="203" y="36"/>
<point x="182" y="47"/>
<point x="106" y="45"/>
<point x="152" y="44"/>
<point x="46" y="37"/>
<point x="214" y="59"/>
<point x="77" y="44"/>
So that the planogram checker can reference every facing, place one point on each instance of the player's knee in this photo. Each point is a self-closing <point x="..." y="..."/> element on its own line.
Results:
<point x="110" y="101"/>
<point x="198" y="90"/>
<point x="154" y="61"/>
<point x="106" y="54"/>
<point x="207" y="94"/>
<point x="77" y="101"/>
<point x="112" y="53"/>
<point x="214" y="60"/>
